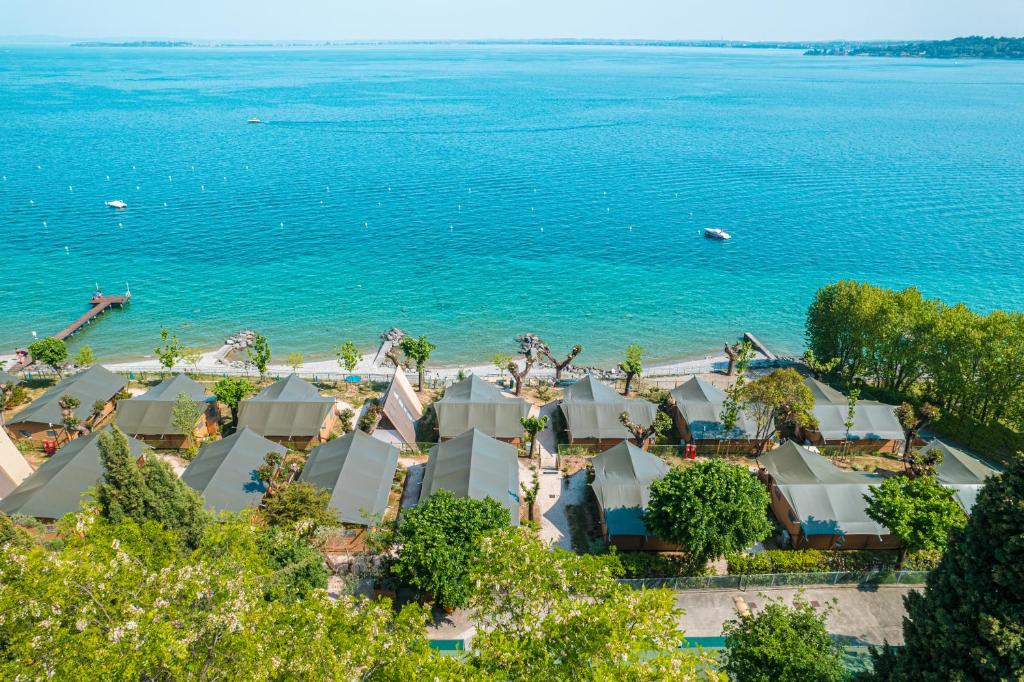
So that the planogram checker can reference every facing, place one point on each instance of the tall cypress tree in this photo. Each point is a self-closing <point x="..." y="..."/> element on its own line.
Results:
<point x="123" y="493"/>
<point x="969" y="622"/>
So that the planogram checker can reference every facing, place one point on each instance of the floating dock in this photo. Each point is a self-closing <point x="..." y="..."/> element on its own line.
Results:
<point x="100" y="304"/>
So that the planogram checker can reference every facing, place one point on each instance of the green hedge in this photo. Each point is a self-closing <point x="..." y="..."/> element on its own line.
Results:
<point x="819" y="561"/>
<point x="995" y="441"/>
<point x="653" y="565"/>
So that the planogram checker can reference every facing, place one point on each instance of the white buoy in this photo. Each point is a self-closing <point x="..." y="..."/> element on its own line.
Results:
<point x="169" y="178"/>
<point x="193" y="169"/>
<point x="165" y="204"/>
<point x="70" y="188"/>
<point x="39" y="168"/>
<point x="44" y="223"/>
<point x="133" y="167"/>
<point x="389" y="188"/>
<point x="321" y="202"/>
<point x="66" y="250"/>
<point x="120" y="224"/>
<point x="378" y="204"/>
<point x="108" y="178"/>
<point x="32" y="202"/>
<point x="450" y="228"/>
<point x="366" y="225"/>
<point x="202" y="188"/>
<point x="136" y="188"/>
<point x="282" y="224"/>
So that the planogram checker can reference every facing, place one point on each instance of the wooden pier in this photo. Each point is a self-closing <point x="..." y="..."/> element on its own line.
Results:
<point x="758" y="346"/>
<point x="100" y="304"/>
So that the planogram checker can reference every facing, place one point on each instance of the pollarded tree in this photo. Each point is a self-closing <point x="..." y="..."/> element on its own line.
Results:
<point x="782" y="643"/>
<point x="776" y="399"/>
<point x="641" y="434"/>
<point x="418" y="350"/>
<point x="633" y="365"/>
<point x="562" y="365"/>
<point x="533" y="426"/>
<point x="531" y="491"/>
<point x="259" y="354"/>
<point x="709" y="508"/>
<point x="920" y="512"/>
<point x="439" y="541"/>
<point x="530" y="347"/>
<point x="913" y="420"/>
<point x="231" y="391"/>
<point x="51" y="352"/>
<point x="967" y="623"/>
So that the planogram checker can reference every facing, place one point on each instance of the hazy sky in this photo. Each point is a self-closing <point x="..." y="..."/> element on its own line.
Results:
<point x="421" y="19"/>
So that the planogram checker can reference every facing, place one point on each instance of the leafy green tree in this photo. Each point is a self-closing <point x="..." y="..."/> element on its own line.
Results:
<point x="192" y="357"/>
<point x="782" y="643"/>
<point x="231" y="391"/>
<point x="294" y="361"/>
<point x="418" y="350"/>
<point x="170" y="350"/>
<point x="533" y="426"/>
<point x="349" y="356"/>
<point x="913" y="420"/>
<point x="68" y="405"/>
<point x="776" y="399"/>
<point x="819" y="368"/>
<point x="709" y="508"/>
<point x="259" y="354"/>
<point x="185" y="414"/>
<point x="967" y="623"/>
<point x="924" y="463"/>
<point x="439" y="540"/>
<point x="544" y="613"/>
<point x="299" y="506"/>
<point x="501" y="361"/>
<point x="300" y="568"/>
<point x="920" y="512"/>
<point x="633" y="365"/>
<point x="84" y="357"/>
<point x="851" y="411"/>
<point x="51" y="352"/>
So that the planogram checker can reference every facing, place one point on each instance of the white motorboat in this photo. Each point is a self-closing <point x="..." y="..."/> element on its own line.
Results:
<point x="117" y="203"/>
<point x="255" y="120"/>
<point x="715" y="233"/>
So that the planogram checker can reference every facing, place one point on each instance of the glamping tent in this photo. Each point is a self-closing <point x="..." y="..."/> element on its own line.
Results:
<point x="477" y="466"/>
<point x="289" y="411"/>
<point x="477" y="404"/>
<point x="875" y="426"/>
<point x="963" y="474"/>
<point x="698" y="415"/>
<point x="7" y="379"/>
<point x="149" y="417"/>
<point x="56" y="487"/>
<point x="820" y="505"/>
<point x="224" y="471"/>
<point x="43" y="419"/>
<point x="401" y="409"/>
<point x="358" y="470"/>
<point x="622" y="480"/>
<point x="13" y="467"/>
<point x="592" y="410"/>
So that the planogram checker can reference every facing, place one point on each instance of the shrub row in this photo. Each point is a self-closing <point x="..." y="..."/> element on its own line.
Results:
<point x="819" y="561"/>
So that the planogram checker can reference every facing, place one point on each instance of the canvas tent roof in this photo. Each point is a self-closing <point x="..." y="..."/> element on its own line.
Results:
<point x="150" y="414"/>
<point x="474" y="403"/>
<point x="95" y="383"/>
<point x="56" y="487"/>
<point x="288" y="408"/>
<point x="358" y="469"/>
<point x="7" y="379"/>
<point x="825" y="499"/>
<point x="964" y="474"/>
<point x="477" y="466"/>
<point x="401" y="406"/>
<point x="871" y="420"/>
<point x="592" y="410"/>
<point x="622" y="479"/>
<point x="13" y="467"/>
<point x="224" y="471"/>
<point x="700" y="404"/>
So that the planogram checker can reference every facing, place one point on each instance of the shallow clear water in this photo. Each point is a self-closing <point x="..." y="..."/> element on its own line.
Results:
<point x="479" y="192"/>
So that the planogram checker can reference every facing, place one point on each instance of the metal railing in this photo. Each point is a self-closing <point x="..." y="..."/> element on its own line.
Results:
<point x="767" y="580"/>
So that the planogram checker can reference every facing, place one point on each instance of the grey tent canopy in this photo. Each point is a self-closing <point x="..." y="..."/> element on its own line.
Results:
<point x="477" y="466"/>
<point x="7" y="379"/>
<point x="622" y="482"/>
<point x="358" y="470"/>
<point x="592" y="410"/>
<point x="963" y="474"/>
<point x="151" y="414"/>
<point x="700" y="403"/>
<point x="224" y="471"/>
<point x="401" y="406"/>
<point x="474" y="403"/>
<point x="872" y="420"/>
<point x="95" y="383"/>
<point x="825" y="499"/>
<point x="56" y="487"/>
<point x="288" y="408"/>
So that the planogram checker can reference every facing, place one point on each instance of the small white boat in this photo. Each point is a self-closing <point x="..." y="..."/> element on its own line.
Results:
<point x="715" y="233"/>
<point x="117" y="203"/>
<point x="255" y="120"/>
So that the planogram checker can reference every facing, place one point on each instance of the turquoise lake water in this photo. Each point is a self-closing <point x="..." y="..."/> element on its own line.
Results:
<point x="472" y="193"/>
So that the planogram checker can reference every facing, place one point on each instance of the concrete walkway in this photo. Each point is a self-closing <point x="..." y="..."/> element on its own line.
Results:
<point x="861" y="616"/>
<point x="553" y="498"/>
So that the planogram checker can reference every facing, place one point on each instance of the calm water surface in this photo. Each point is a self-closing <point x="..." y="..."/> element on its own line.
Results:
<point x="473" y="193"/>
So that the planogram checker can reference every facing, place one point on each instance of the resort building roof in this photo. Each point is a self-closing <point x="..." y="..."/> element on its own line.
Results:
<point x="826" y="499"/>
<point x="224" y="471"/>
<point x="474" y="403"/>
<point x="963" y="474"/>
<point x="151" y="414"/>
<point x="622" y="479"/>
<point x="477" y="466"/>
<point x="358" y="469"/>
<point x="95" y="383"/>
<point x="56" y="487"/>
<point x="401" y="407"/>
<point x="592" y="410"/>
<point x="700" y="403"/>
<point x="13" y="467"/>
<point x="290" y="407"/>
<point x="872" y="420"/>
